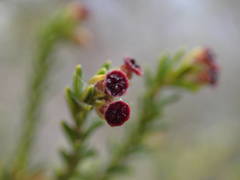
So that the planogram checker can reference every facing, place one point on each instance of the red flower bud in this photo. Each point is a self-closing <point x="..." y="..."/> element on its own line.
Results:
<point x="116" y="83"/>
<point x="79" y="11"/>
<point x="117" y="113"/>
<point x="209" y="71"/>
<point x="130" y="66"/>
<point x="213" y="74"/>
<point x="206" y="56"/>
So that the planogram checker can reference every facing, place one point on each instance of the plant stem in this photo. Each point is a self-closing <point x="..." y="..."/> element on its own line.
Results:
<point x="58" y="28"/>
<point x="78" y="132"/>
<point x="134" y="137"/>
<point x="74" y="157"/>
<point x="35" y="98"/>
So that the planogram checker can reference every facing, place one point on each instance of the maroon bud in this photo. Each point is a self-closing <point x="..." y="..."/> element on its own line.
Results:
<point x="130" y="66"/>
<point x="117" y="113"/>
<point x="213" y="74"/>
<point x="208" y="76"/>
<point x="206" y="57"/>
<point x="116" y="83"/>
<point x="209" y="69"/>
<point x="79" y="11"/>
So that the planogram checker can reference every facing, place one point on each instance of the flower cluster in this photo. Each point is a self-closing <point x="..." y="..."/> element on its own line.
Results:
<point x="114" y="84"/>
<point x="194" y="69"/>
<point x="189" y="71"/>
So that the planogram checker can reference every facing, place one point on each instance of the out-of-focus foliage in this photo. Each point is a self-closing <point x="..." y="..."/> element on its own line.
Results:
<point x="61" y="27"/>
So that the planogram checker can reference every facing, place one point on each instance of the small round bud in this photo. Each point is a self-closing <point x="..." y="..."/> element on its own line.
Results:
<point x="116" y="83"/>
<point x="117" y="113"/>
<point x="130" y="66"/>
<point x="79" y="11"/>
<point x="210" y="70"/>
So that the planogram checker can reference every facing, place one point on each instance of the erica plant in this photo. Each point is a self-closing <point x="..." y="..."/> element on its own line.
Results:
<point x="189" y="71"/>
<point x="103" y="94"/>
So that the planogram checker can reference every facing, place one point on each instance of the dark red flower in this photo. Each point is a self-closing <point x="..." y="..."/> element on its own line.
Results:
<point x="206" y="57"/>
<point x="210" y="70"/>
<point x="117" y="113"/>
<point x="130" y="66"/>
<point x="116" y="83"/>
<point x="213" y="76"/>
<point x="79" y="11"/>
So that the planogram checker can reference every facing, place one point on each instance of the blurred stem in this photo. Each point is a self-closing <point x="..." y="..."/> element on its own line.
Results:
<point x="58" y="28"/>
<point x="35" y="97"/>
<point x="135" y="135"/>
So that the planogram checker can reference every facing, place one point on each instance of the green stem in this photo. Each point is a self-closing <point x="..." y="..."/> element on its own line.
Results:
<point x="58" y="28"/>
<point x="35" y="98"/>
<point x="134" y="137"/>
<point x="81" y="101"/>
<point x="78" y="131"/>
<point x="74" y="156"/>
<point x="74" y="159"/>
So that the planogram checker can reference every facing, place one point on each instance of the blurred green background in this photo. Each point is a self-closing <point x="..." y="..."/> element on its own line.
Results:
<point x="202" y="142"/>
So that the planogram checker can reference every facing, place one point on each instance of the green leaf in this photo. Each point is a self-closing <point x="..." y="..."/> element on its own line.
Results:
<point x="183" y="71"/>
<point x="69" y="131"/>
<point x="104" y="68"/>
<point x="178" y="56"/>
<point x="107" y="65"/>
<point x="88" y="93"/>
<point x="77" y="81"/>
<point x="75" y="102"/>
<point x="187" y="85"/>
<point x="84" y="106"/>
<point x="119" y="169"/>
<point x="149" y="80"/>
<point x="71" y="103"/>
<point x="164" y="66"/>
<point x="88" y="153"/>
<point x="65" y="155"/>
